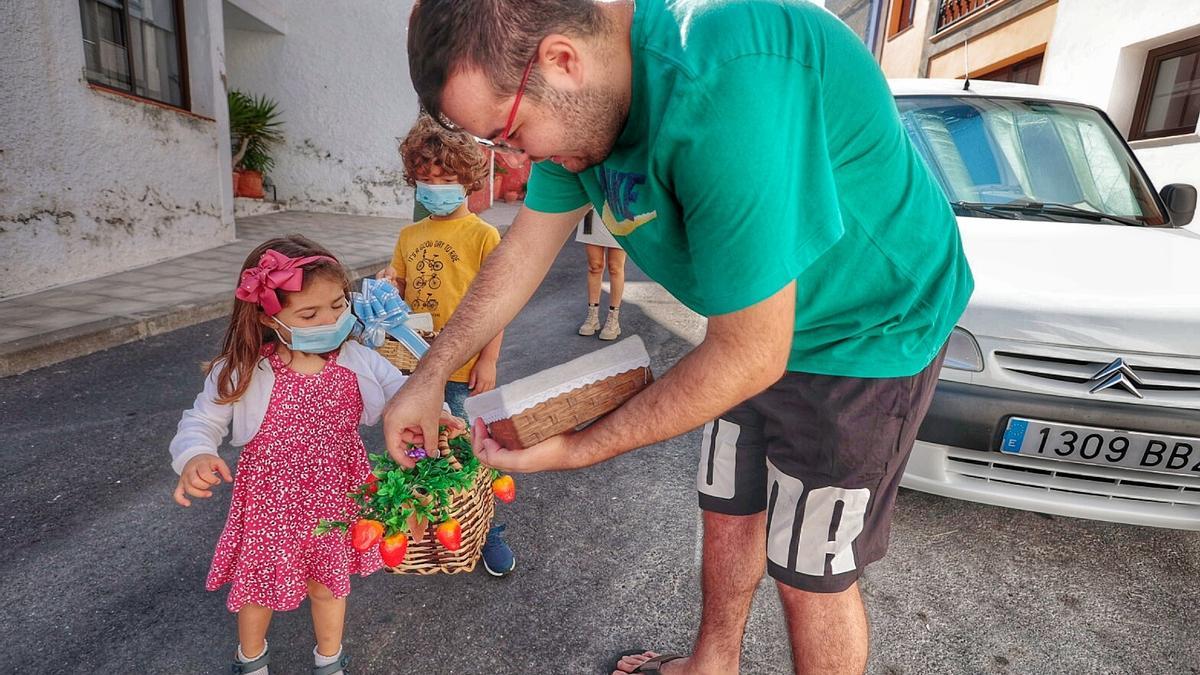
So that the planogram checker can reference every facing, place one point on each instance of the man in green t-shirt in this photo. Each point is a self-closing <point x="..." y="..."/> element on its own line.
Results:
<point x="749" y="157"/>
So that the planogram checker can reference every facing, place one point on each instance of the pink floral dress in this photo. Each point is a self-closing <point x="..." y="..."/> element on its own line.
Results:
<point x="295" y="471"/>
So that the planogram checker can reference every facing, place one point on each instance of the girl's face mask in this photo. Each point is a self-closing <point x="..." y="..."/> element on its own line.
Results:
<point x="319" y="339"/>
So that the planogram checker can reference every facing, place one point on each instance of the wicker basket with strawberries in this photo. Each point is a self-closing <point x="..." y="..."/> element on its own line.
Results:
<point x="448" y="492"/>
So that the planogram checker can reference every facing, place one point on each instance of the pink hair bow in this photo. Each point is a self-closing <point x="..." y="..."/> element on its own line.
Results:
<point x="275" y="272"/>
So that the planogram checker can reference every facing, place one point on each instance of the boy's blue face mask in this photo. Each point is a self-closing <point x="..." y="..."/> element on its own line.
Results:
<point x="320" y="339"/>
<point x="441" y="200"/>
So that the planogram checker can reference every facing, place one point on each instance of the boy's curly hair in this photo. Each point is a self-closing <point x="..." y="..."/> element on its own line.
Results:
<point x="429" y="144"/>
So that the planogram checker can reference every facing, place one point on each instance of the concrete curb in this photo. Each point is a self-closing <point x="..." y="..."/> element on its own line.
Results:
<point x="47" y="349"/>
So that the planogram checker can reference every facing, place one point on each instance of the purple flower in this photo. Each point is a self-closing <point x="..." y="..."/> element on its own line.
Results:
<point x="416" y="453"/>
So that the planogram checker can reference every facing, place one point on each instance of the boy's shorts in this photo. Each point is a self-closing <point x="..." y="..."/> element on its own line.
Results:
<point x="823" y="456"/>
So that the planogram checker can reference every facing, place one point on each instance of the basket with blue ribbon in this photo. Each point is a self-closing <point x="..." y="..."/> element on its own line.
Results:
<point x="389" y="325"/>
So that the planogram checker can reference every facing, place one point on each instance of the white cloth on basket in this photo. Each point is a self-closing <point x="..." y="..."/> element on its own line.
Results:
<point x="520" y="395"/>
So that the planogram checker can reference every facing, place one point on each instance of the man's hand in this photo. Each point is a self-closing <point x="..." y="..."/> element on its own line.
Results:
<point x="413" y="415"/>
<point x="199" y="476"/>
<point x="552" y="454"/>
<point x="483" y="375"/>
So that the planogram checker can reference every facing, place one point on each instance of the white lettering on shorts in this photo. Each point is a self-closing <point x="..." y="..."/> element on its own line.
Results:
<point x="718" y="459"/>
<point x="813" y="543"/>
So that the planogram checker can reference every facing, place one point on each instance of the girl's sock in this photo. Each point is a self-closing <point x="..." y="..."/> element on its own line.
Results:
<point x="241" y="656"/>
<point x="320" y="660"/>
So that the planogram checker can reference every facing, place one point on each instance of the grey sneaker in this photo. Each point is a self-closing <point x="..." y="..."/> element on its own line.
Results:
<point x="592" y="323"/>
<point x="612" y="325"/>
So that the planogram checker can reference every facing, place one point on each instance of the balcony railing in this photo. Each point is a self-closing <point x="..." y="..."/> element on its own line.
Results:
<point x="951" y="12"/>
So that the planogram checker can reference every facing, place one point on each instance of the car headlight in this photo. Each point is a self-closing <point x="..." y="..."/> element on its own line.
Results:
<point x="962" y="352"/>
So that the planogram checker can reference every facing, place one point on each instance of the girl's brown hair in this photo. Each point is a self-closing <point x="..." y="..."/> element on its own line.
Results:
<point x="246" y="335"/>
<point x="429" y="144"/>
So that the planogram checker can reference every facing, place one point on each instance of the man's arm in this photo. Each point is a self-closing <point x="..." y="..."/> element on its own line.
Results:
<point x="742" y="354"/>
<point x="504" y="284"/>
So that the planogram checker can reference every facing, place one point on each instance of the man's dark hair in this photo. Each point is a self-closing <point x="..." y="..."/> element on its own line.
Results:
<point x="497" y="36"/>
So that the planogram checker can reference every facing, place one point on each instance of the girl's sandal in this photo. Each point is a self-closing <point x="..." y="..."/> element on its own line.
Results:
<point x="240" y="667"/>
<point x="336" y="666"/>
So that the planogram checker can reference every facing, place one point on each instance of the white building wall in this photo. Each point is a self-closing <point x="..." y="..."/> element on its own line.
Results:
<point x="92" y="182"/>
<point x="1098" y="52"/>
<point x="341" y="80"/>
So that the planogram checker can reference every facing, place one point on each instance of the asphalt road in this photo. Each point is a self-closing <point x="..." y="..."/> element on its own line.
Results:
<point x="101" y="572"/>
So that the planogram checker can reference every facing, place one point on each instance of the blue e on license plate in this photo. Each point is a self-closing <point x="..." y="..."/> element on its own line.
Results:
<point x="1106" y="447"/>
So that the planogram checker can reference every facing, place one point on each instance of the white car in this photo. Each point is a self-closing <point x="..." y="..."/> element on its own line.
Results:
<point x="1072" y="382"/>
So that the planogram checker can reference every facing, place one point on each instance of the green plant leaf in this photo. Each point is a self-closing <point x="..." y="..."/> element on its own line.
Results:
<point x="254" y="128"/>
<point x="394" y="502"/>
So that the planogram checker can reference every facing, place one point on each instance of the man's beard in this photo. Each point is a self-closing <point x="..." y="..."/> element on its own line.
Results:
<point x="592" y="120"/>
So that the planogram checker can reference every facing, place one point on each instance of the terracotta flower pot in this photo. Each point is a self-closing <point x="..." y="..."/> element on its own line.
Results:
<point x="478" y="201"/>
<point x="250" y="184"/>
<point x="237" y="177"/>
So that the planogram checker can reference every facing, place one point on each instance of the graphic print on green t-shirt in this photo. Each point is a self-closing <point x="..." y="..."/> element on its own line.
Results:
<point x="762" y="147"/>
<point x="620" y="198"/>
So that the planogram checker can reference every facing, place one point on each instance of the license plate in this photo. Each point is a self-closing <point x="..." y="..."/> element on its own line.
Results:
<point x="1106" y="447"/>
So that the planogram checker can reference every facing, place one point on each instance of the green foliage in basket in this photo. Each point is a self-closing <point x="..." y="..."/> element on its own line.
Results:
<point x="393" y="498"/>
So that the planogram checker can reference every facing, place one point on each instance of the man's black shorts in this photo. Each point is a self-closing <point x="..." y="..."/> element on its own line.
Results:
<point x="823" y="456"/>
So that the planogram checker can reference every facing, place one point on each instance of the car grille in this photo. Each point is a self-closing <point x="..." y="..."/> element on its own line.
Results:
<point x="1177" y="385"/>
<point x="1066" y="477"/>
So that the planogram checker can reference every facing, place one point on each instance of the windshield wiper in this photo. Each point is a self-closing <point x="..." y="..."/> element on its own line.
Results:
<point x="985" y="209"/>
<point x="1053" y="208"/>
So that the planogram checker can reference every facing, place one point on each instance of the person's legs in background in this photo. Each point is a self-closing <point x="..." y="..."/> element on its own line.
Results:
<point x="615" y="259"/>
<point x="595" y="274"/>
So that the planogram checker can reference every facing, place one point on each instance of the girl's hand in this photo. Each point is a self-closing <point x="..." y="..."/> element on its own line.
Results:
<point x="199" y="475"/>
<point x="483" y="376"/>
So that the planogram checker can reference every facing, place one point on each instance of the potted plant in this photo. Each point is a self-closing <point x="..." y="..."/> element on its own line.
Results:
<point x="254" y="128"/>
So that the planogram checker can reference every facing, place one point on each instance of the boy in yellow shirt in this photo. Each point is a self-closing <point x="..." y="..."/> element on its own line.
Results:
<point x="437" y="258"/>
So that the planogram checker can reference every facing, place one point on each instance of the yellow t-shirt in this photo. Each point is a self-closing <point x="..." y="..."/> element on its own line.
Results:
<point x="438" y="260"/>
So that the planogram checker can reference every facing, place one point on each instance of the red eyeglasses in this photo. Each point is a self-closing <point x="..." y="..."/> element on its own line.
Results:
<point x="501" y="143"/>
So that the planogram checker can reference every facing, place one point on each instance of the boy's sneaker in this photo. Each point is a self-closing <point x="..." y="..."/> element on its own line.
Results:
<point x="498" y="558"/>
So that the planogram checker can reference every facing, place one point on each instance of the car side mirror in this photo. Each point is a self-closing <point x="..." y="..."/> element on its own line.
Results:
<point x="1180" y="200"/>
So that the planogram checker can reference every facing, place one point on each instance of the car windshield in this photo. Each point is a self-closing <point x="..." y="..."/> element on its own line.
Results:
<point x="1010" y="158"/>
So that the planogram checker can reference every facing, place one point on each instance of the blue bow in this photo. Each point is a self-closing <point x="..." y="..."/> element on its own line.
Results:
<point x="383" y="312"/>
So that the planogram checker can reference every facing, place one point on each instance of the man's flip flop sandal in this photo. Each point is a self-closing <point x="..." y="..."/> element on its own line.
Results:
<point x="654" y="664"/>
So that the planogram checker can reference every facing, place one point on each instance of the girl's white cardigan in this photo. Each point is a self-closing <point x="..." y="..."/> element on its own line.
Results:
<point x="205" y="425"/>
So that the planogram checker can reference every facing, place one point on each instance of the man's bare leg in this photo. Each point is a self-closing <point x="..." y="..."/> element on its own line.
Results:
<point x="734" y="561"/>
<point x="828" y="631"/>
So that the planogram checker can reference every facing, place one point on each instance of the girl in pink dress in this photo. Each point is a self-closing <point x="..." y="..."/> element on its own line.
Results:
<point x="294" y="389"/>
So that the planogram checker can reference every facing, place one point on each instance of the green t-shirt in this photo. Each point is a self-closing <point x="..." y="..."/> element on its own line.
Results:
<point x="762" y="146"/>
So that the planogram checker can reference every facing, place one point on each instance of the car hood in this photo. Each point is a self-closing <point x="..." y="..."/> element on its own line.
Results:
<point x="1084" y="284"/>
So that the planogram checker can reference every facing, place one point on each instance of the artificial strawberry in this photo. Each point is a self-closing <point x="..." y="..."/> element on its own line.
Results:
<point x="371" y="486"/>
<point x="505" y="489"/>
<point x="393" y="548"/>
<point x="365" y="534"/>
<point x="450" y="534"/>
